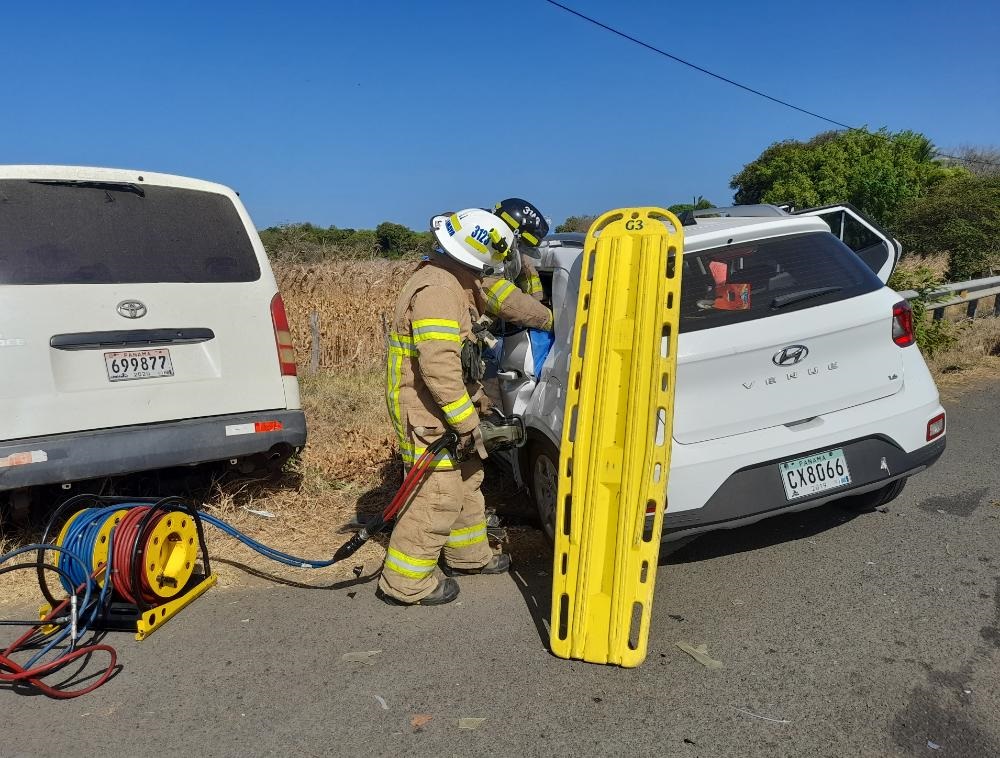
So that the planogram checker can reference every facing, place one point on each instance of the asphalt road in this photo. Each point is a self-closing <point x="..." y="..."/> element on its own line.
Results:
<point x="876" y="634"/>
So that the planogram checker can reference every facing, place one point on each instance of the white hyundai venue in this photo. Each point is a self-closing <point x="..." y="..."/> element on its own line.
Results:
<point x="140" y="328"/>
<point x="798" y="378"/>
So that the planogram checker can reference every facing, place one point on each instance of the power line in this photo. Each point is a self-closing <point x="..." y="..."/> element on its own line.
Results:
<point x="734" y="83"/>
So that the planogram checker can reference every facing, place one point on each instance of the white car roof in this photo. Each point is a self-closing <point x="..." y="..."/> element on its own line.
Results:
<point x="714" y="232"/>
<point x="94" y="174"/>
<point x="563" y="249"/>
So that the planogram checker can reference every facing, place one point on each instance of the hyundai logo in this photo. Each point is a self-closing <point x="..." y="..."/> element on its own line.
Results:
<point x="789" y="356"/>
<point x="131" y="309"/>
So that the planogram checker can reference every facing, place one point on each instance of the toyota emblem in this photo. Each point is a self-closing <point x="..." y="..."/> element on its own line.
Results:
<point x="131" y="309"/>
<point x="789" y="356"/>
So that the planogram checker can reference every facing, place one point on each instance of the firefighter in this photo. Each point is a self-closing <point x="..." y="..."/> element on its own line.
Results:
<point x="503" y="296"/>
<point x="433" y="384"/>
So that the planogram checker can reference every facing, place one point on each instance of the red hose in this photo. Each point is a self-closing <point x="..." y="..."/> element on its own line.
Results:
<point x="33" y="676"/>
<point x="124" y="542"/>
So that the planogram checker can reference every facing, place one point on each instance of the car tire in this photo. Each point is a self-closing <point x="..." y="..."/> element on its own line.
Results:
<point x="543" y="482"/>
<point x="869" y="501"/>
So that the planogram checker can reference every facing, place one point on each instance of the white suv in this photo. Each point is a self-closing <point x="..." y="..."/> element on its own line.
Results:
<point x="798" y="380"/>
<point x="140" y="328"/>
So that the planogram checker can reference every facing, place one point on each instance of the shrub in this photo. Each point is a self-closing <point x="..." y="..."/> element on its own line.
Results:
<point x="932" y="336"/>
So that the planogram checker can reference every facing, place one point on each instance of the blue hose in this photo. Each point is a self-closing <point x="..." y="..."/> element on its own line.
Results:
<point x="265" y="550"/>
<point x="87" y="611"/>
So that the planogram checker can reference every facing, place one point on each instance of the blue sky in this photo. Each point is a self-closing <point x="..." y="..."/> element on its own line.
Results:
<point x="351" y="113"/>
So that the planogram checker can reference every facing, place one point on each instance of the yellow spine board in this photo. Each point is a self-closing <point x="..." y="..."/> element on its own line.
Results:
<point x="615" y="452"/>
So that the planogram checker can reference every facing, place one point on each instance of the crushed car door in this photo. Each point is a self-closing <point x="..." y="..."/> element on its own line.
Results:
<point x="872" y="244"/>
<point x="516" y="370"/>
<point x="517" y="364"/>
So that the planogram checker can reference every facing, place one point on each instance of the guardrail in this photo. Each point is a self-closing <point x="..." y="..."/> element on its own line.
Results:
<point x="956" y="293"/>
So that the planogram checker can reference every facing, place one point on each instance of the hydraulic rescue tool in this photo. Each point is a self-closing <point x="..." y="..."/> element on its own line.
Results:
<point x="615" y="451"/>
<point x="134" y="563"/>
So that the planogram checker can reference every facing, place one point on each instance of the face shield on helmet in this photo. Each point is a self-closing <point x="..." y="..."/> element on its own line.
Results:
<point x="476" y="239"/>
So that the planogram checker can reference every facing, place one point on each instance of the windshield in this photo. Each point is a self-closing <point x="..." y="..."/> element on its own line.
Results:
<point x="91" y="232"/>
<point x="755" y="280"/>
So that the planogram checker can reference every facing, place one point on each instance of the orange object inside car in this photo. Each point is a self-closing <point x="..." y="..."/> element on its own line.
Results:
<point x="728" y="297"/>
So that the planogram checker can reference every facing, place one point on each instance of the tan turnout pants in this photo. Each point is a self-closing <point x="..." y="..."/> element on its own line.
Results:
<point x="447" y="513"/>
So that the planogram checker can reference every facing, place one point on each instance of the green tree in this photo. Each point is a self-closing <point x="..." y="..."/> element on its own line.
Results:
<point x="307" y="243"/>
<point x="697" y="204"/>
<point x="877" y="172"/>
<point x="961" y="218"/>
<point x="394" y="240"/>
<point x="576" y="224"/>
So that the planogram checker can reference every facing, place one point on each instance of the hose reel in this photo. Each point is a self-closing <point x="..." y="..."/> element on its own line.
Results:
<point x="152" y="546"/>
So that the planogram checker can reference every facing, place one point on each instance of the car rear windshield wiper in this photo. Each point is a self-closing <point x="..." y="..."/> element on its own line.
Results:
<point x="107" y="186"/>
<point x="797" y="297"/>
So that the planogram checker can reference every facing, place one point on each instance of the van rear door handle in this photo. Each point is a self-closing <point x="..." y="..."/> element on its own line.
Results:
<point x="131" y="338"/>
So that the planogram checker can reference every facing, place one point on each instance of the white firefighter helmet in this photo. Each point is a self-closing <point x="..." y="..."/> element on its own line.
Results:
<point x="476" y="239"/>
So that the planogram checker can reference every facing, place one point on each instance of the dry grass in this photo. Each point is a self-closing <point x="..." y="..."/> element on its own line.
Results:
<point x="937" y="263"/>
<point x="351" y="298"/>
<point x="974" y="357"/>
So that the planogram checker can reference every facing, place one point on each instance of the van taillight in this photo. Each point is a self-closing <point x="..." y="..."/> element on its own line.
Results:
<point x="283" y="337"/>
<point x="902" y="324"/>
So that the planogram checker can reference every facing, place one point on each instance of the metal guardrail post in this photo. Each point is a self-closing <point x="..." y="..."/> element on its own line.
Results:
<point x="996" y="306"/>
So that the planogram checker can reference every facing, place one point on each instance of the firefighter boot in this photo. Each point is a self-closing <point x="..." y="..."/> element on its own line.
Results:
<point x="499" y="564"/>
<point x="445" y="592"/>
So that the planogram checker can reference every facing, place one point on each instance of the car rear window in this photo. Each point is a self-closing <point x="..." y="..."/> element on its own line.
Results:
<point x="80" y="232"/>
<point x="754" y="280"/>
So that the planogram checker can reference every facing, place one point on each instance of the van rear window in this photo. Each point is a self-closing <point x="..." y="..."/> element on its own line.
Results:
<point x="755" y="280"/>
<point x="82" y="232"/>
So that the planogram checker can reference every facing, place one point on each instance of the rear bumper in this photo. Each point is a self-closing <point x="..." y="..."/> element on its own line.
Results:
<point x="757" y="492"/>
<point x="123" y="450"/>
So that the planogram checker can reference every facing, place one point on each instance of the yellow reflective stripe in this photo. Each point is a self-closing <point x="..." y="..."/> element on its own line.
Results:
<point x="531" y="239"/>
<point x="401" y="344"/>
<point x="460" y="410"/>
<point x="454" y="222"/>
<point x="477" y="245"/>
<point x="410" y="452"/>
<point x="407" y="565"/>
<point x="470" y="535"/>
<point x="469" y="529"/>
<point x="427" y="336"/>
<point x="436" y="329"/>
<point x="422" y="322"/>
<point x="511" y="221"/>
<point x="497" y="293"/>
<point x="533" y="284"/>
<point x="394" y="382"/>
<point x="549" y="323"/>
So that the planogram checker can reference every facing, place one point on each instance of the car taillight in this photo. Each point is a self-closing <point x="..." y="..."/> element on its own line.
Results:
<point x="902" y="324"/>
<point x="935" y="427"/>
<point x="283" y="337"/>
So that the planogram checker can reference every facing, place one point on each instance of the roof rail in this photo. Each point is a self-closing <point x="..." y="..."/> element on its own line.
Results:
<point x="762" y="210"/>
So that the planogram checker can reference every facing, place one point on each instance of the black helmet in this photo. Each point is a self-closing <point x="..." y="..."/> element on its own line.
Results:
<point x="524" y="218"/>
